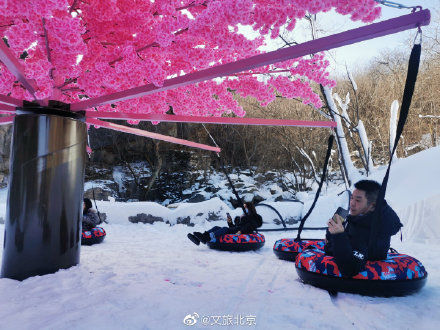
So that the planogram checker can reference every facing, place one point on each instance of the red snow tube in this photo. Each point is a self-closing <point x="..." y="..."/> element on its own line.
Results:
<point x="398" y="275"/>
<point x="94" y="236"/>
<point x="288" y="248"/>
<point x="233" y="242"/>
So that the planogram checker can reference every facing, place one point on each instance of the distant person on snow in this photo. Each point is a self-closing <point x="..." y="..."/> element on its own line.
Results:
<point x="90" y="217"/>
<point x="348" y="240"/>
<point x="245" y="224"/>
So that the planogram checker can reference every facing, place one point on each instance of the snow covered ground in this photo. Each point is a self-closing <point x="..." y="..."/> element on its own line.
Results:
<point x="152" y="276"/>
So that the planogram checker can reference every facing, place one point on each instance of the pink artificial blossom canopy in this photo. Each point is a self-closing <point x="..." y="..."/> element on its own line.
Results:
<point x="75" y="49"/>
<point x="141" y="58"/>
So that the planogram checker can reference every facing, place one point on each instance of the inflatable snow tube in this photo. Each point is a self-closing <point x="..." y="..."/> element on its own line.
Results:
<point x="398" y="275"/>
<point x="94" y="236"/>
<point x="288" y="249"/>
<point x="233" y="242"/>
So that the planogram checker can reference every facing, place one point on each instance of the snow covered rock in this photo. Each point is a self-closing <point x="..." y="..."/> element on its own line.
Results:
<point x="102" y="193"/>
<point x="145" y="218"/>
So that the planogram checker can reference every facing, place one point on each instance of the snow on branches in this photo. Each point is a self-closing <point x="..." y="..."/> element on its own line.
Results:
<point x="75" y="49"/>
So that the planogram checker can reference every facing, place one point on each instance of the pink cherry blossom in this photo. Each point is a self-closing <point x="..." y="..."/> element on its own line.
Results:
<point x="74" y="49"/>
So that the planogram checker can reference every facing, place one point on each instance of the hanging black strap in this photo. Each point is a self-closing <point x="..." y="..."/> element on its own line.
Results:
<point x="276" y="211"/>
<point x="285" y="228"/>
<point x="226" y="173"/>
<point x="324" y="171"/>
<point x="411" y="78"/>
<point x="96" y="206"/>
<point x="232" y="186"/>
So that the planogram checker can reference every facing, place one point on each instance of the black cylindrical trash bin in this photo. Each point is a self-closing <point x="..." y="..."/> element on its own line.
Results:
<point x="44" y="209"/>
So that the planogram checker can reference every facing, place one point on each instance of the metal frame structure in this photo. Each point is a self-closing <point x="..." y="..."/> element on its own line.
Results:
<point x="375" y="30"/>
<point x="43" y="217"/>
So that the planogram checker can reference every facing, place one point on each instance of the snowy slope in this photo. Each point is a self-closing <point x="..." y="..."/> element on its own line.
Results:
<point x="414" y="191"/>
<point x="152" y="276"/>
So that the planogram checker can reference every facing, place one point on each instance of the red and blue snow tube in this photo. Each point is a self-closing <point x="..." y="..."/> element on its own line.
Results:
<point x="233" y="242"/>
<point x="94" y="236"/>
<point x="398" y="275"/>
<point x="288" y="248"/>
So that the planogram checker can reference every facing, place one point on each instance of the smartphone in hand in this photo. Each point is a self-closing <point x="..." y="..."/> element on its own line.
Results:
<point x="343" y="213"/>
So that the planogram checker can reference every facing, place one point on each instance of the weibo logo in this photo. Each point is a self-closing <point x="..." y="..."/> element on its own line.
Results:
<point x="191" y="319"/>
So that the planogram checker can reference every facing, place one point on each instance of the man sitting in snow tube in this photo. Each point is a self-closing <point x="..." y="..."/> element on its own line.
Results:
<point x="348" y="240"/>
<point x="90" y="233"/>
<point x="237" y="236"/>
<point x="348" y="265"/>
<point x="90" y="217"/>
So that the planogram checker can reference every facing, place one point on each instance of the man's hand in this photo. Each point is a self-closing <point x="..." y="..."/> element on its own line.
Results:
<point x="335" y="226"/>
<point x="238" y="233"/>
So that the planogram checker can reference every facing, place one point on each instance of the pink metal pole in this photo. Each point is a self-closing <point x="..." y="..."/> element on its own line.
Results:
<point x="16" y="68"/>
<point x="207" y="120"/>
<point x="6" y="108"/>
<point x="371" y="31"/>
<point x="10" y="101"/>
<point x="151" y="135"/>
<point x="6" y="120"/>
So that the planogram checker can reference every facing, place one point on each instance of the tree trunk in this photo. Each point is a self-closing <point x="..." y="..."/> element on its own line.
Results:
<point x="156" y="168"/>
<point x="340" y="137"/>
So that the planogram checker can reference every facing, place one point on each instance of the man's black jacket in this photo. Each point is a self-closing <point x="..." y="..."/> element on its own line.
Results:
<point x="350" y="248"/>
<point x="246" y="224"/>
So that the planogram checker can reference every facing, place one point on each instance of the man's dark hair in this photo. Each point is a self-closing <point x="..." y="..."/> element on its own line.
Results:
<point x="371" y="189"/>
<point x="88" y="204"/>
<point x="251" y="207"/>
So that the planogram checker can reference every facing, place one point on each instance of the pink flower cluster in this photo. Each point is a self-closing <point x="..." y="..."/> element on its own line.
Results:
<point x="74" y="49"/>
